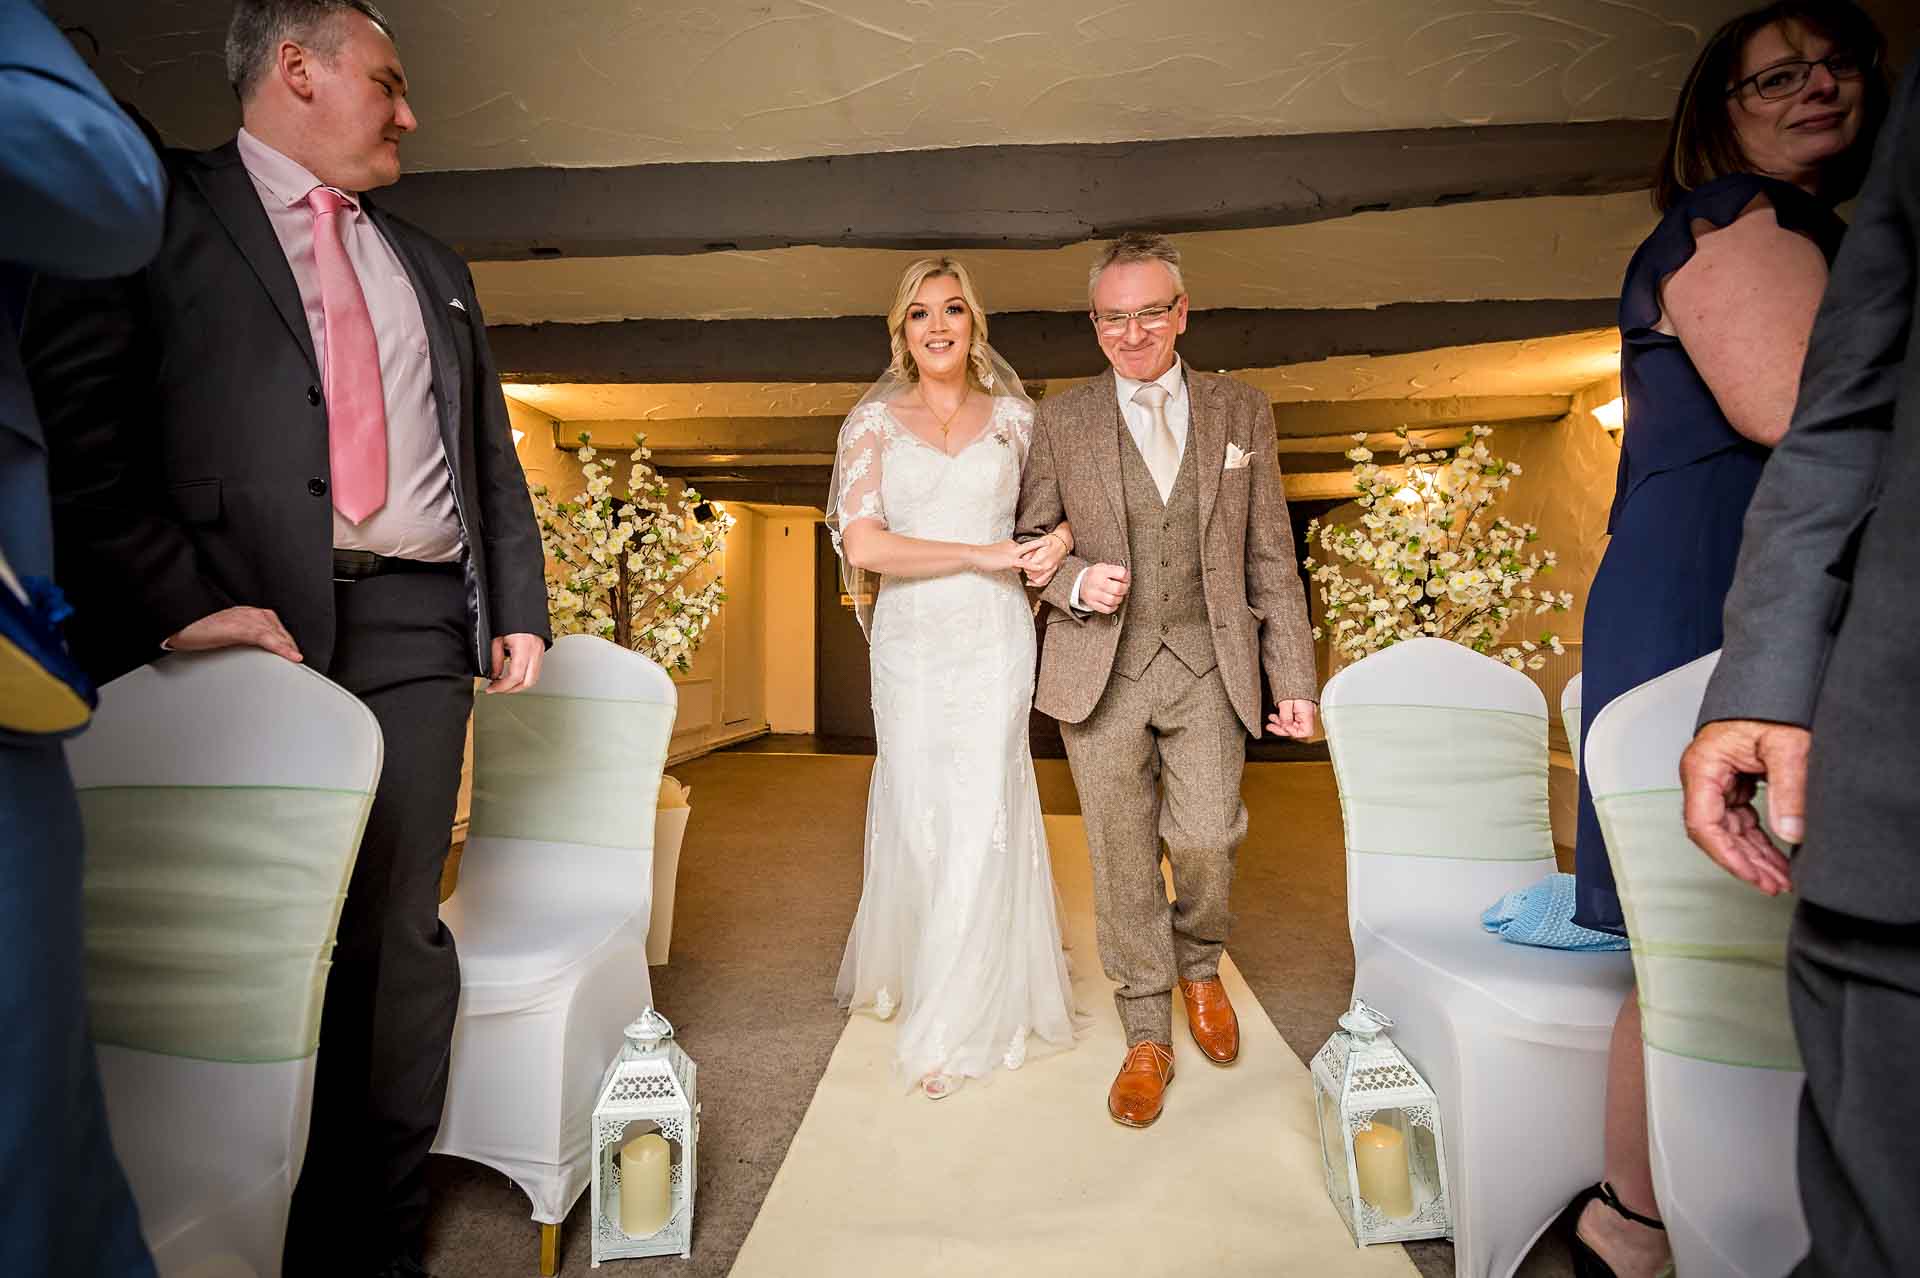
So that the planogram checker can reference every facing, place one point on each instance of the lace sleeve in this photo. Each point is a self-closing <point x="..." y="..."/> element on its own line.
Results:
<point x="1018" y="416"/>
<point x="853" y="493"/>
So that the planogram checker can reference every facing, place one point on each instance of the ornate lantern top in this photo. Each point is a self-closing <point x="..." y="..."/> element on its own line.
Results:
<point x="647" y="1033"/>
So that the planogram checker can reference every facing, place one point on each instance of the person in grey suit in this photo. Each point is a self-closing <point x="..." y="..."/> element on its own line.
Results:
<point x="1815" y="694"/>
<point x="81" y="193"/>
<point x="288" y="432"/>
<point x="1182" y="588"/>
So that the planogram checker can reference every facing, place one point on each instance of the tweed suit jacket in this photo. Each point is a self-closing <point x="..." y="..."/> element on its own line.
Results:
<point x="1255" y="602"/>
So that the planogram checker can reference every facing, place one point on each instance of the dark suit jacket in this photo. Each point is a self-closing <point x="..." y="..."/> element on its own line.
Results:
<point x="189" y="434"/>
<point x="1822" y="621"/>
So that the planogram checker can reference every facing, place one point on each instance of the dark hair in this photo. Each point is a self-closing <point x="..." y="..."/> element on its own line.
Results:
<point x="1701" y="142"/>
<point x="258" y="27"/>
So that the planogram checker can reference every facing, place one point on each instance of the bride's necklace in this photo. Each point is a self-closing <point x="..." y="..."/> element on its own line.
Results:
<point x="946" y="425"/>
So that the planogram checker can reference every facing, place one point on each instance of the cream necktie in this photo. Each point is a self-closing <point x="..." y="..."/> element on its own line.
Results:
<point x="1161" y="451"/>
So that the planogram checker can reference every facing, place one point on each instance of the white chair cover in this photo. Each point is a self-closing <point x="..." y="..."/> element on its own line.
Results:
<point x="1441" y="759"/>
<point x="550" y="914"/>
<point x="1723" y="1074"/>
<point x="1570" y="717"/>
<point x="224" y="796"/>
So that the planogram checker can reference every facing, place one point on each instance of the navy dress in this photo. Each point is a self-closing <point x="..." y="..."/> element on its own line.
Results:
<point x="1685" y="479"/>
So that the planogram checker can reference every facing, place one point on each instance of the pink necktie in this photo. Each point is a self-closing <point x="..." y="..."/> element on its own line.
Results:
<point x="356" y="403"/>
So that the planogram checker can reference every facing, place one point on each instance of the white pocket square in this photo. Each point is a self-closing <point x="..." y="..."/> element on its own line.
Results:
<point x="456" y="304"/>
<point x="1236" y="459"/>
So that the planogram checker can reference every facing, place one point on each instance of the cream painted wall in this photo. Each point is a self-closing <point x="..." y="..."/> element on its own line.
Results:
<point x="790" y="590"/>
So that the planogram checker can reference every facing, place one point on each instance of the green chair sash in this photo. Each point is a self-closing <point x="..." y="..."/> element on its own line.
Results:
<point x="1442" y="781"/>
<point x="1709" y="951"/>
<point x="211" y="914"/>
<point x="568" y="769"/>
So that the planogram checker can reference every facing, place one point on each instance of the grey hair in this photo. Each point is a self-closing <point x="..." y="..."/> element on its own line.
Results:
<point x="1136" y="246"/>
<point x="258" y="27"/>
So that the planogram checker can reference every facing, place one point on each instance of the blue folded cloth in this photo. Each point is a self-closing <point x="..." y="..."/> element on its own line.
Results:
<point x="1542" y="915"/>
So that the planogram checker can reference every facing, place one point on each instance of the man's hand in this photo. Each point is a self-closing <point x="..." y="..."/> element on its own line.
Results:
<point x="1292" y="719"/>
<point x="1718" y="775"/>
<point x="516" y="662"/>
<point x="1104" y="588"/>
<point x="236" y="628"/>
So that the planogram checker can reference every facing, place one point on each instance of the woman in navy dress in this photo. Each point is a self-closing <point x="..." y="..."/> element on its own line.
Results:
<point x="1774" y="127"/>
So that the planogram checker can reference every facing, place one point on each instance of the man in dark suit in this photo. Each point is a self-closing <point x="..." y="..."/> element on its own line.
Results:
<point x="81" y="193"/>
<point x="288" y="432"/>
<point x="1816" y="694"/>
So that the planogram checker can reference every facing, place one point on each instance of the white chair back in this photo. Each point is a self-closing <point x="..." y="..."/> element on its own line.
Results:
<point x="551" y="911"/>
<point x="1709" y="954"/>
<point x="567" y="771"/>
<point x="1441" y="759"/>
<point x="223" y="795"/>
<point x="1570" y="717"/>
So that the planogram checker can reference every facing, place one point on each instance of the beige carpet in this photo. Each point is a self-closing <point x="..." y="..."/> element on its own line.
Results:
<point x="1027" y="1175"/>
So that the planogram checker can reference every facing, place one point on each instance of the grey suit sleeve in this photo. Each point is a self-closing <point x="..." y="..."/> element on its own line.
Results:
<point x="1819" y="488"/>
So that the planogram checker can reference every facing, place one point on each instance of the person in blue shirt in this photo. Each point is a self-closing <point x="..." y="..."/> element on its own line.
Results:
<point x="81" y="194"/>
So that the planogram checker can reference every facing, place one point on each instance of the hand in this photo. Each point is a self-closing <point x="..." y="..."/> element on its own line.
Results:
<point x="1105" y="587"/>
<point x="1292" y="719"/>
<point x="1718" y="776"/>
<point x="999" y="556"/>
<point x="236" y="628"/>
<point x="1041" y="559"/>
<point x="516" y="662"/>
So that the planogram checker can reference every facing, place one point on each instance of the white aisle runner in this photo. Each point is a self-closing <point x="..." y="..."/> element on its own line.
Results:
<point x="1026" y="1175"/>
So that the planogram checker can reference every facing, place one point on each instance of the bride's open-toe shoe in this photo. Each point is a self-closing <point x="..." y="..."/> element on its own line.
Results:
<point x="937" y="1086"/>
<point x="1588" y="1263"/>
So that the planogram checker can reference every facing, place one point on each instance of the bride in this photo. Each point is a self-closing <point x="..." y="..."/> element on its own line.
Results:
<point x="957" y="932"/>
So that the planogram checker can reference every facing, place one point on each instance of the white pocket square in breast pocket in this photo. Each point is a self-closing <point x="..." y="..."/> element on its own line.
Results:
<point x="1236" y="459"/>
<point x="456" y="304"/>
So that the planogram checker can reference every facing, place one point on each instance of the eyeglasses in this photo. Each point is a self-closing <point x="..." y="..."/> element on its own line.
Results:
<point x="1784" y="79"/>
<point x="1153" y="318"/>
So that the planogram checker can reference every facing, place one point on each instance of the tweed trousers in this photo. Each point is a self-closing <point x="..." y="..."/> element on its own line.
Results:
<point x="1159" y="760"/>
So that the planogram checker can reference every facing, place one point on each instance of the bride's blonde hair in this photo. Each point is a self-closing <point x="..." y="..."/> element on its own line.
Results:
<point x="979" y="363"/>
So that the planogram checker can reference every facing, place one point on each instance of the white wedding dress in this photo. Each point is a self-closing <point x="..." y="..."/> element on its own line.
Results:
<point x="957" y="936"/>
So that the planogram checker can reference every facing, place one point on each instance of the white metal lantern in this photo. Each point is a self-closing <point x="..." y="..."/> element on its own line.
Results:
<point x="1380" y="1139"/>
<point x="645" y="1127"/>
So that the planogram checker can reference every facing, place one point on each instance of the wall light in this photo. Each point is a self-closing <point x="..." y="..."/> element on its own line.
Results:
<point x="1613" y="414"/>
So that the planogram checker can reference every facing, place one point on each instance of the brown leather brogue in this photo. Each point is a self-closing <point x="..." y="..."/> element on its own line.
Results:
<point x="1141" y="1087"/>
<point x="1210" y="1016"/>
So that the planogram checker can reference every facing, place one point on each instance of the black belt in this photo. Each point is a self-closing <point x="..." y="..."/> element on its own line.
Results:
<point x="356" y="565"/>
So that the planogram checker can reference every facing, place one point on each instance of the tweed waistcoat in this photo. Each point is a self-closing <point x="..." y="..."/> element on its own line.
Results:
<point x="1167" y="602"/>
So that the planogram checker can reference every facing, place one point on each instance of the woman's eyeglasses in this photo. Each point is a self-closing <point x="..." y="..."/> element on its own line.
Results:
<point x="1784" y="79"/>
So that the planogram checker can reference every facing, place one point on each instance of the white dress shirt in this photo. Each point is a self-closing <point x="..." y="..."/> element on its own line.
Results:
<point x="418" y="520"/>
<point x="1139" y="420"/>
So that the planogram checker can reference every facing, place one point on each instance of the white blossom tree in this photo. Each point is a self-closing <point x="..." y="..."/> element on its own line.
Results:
<point x="619" y="558"/>
<point x="1428" y="557"/>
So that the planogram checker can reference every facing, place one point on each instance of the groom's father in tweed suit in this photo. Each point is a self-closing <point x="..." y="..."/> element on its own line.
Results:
<point x="1182" y="588"/>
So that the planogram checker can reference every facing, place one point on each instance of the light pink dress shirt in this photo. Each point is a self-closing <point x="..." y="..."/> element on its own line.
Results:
<point x="418" y="521"/>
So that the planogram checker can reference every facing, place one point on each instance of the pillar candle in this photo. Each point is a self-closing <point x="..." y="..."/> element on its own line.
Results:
<point x="1380" y="1164"/>
<point x="646" y="1185"/>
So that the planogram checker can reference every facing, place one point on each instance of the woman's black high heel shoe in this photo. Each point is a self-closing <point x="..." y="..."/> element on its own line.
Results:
<point x="1586" y="1261"/>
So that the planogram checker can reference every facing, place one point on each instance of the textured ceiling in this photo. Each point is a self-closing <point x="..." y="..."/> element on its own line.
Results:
<point x="504" y="83"/>
<point x="1562" y="247"/>
<point x="1547" y="366"/>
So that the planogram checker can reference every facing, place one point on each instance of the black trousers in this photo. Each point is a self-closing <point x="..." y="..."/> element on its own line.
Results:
<point x="403" y="647"/>
<point x="1854" y="987"/>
